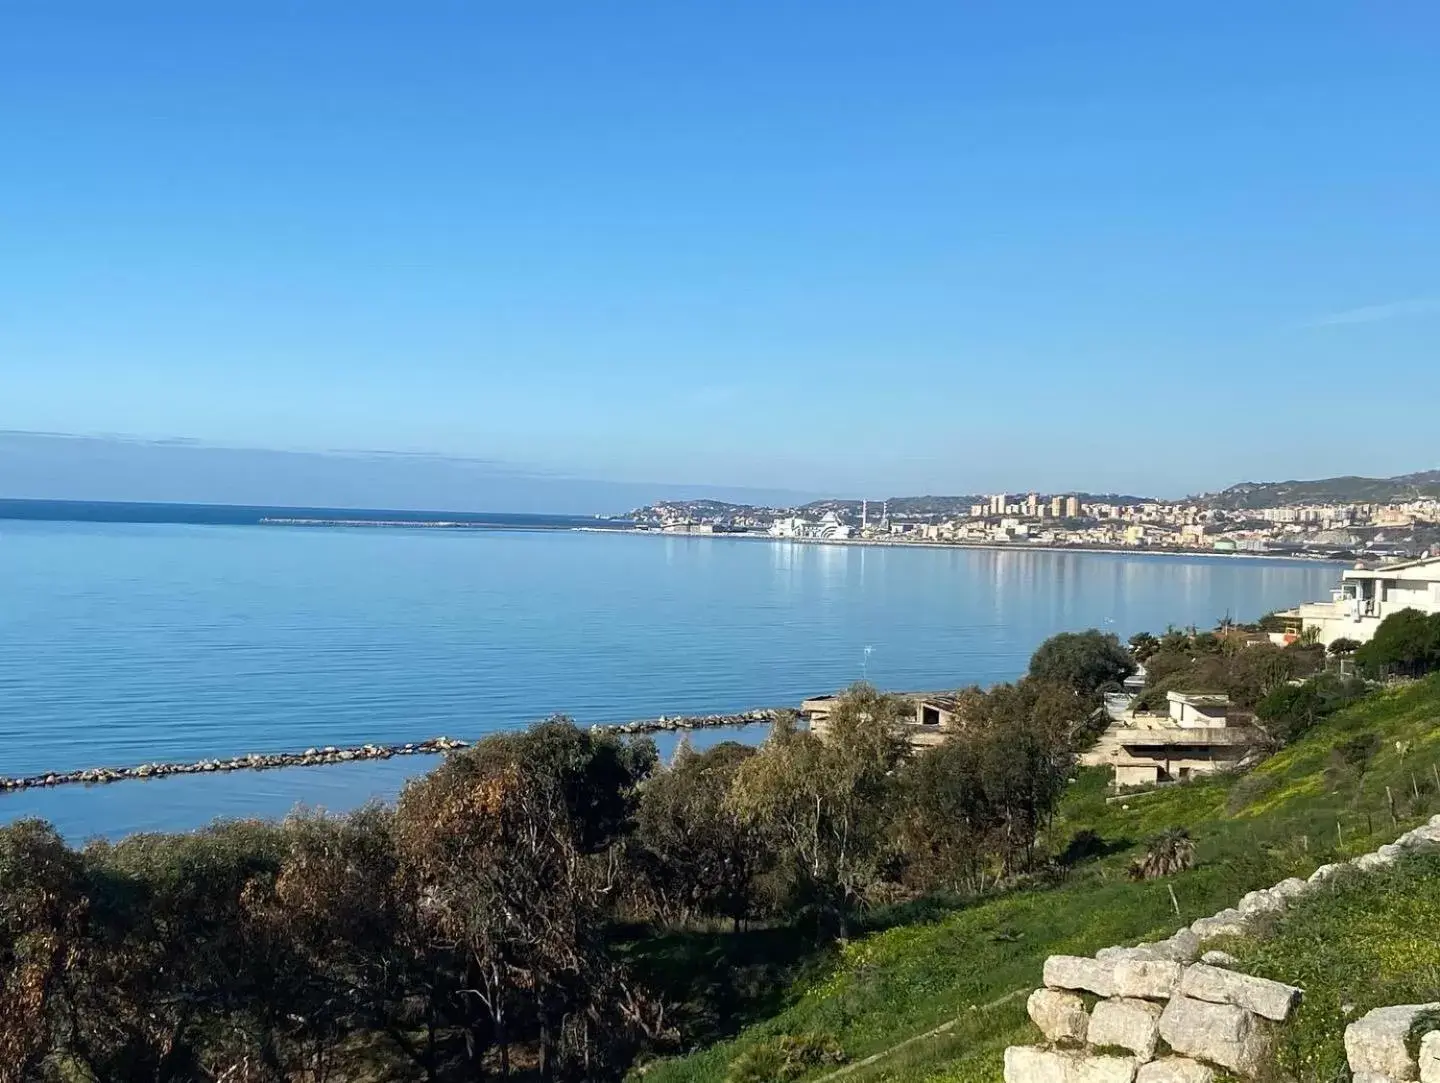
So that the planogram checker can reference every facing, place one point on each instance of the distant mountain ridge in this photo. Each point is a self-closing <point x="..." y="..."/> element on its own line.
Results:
<point x="1342" y="490"/>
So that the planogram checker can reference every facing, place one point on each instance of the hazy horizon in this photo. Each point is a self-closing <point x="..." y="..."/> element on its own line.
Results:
<point x="62" y="466"/>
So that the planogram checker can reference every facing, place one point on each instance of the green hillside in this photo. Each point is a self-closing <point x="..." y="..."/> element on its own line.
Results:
<point x="1361" y="778"/>
<point x="1342" y="490"/>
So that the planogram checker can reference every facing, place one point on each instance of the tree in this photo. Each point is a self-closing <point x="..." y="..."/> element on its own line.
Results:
<point x="696" y="854"/>
<point x="1407" y="643"/>
<point x="42" y="920"/>
<point x="1082" y="661"/>
<point x="1344" y="647"/>
<point x="1289" y="710"/>
<point x="1143" y="645"/>
<point x="516" y="884"/>
<point x="825" y="804"/>
<point x="947" y="825"/>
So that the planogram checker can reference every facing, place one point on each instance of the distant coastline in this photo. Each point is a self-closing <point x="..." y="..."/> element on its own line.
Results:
<point x="138" y="513"/>
<point x="1011" y="547"/>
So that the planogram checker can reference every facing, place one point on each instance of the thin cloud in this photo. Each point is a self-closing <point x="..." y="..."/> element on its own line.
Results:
<point x="1376" y="313"/>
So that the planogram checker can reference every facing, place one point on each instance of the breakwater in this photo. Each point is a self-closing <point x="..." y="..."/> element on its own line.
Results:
<point x="317" y="757"/>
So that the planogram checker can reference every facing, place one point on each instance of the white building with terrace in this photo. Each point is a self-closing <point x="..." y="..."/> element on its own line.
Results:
<point x="1366" y="596"/>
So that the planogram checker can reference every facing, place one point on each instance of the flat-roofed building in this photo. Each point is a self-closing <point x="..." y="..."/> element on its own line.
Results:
<point x="1366" y="596"/>
<point x="1202" y="733"/>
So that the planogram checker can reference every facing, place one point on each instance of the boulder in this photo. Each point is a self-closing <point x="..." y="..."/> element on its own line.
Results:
<point x="1430" y="1057"/>
<point x="1324" y="873"/>
<point x="1128" y="1023"/>
<point x="1222" y="1034"/>
<point x="1152" y="978"/>
<point x="1028" y="1064"/>
<point x="1077" y="972"/>
<point x="1175" y="1070"/>
<point x="1376" y="1042"/>
<point x="1220" y="958"/>
<point x="1271" y="999"/>
<point x="1060" y="1016"/>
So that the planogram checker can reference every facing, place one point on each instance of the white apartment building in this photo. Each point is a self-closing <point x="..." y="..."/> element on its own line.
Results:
<point x="1366" y="596"/>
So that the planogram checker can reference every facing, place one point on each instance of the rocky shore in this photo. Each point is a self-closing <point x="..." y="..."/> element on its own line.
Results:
<point x="316" y="757"/>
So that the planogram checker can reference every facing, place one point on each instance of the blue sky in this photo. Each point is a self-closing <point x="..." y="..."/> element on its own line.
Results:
<point x="835" y="248"/>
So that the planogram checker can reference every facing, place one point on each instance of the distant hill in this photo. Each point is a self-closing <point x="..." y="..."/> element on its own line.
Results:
<point x="1343" y="490"/>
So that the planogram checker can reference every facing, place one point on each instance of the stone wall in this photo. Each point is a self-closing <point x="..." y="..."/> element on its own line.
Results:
<point x="1173" y="1012"/>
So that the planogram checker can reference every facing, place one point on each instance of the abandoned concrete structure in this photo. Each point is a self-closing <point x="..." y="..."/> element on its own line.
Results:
<point x="1202" y="733"/>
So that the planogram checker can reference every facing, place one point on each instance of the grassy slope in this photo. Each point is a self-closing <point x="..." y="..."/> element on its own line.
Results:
<point x="1366" y="942"/>
<point x="1279" y="820"/>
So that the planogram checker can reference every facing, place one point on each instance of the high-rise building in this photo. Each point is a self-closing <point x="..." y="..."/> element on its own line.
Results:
<point x="1032" y="505"/>
<point x="997" y="503"/>
<point x="1057" y="506"/>
<point x="1072" y="507"/>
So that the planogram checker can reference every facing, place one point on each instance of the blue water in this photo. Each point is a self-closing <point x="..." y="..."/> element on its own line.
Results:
<point x="125" y="642"/>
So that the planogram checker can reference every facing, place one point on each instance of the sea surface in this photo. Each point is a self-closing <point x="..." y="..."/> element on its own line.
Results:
<point x="125" y="642"/>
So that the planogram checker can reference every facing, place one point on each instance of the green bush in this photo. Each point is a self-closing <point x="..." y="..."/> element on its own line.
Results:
<point x="1406" y="643"/>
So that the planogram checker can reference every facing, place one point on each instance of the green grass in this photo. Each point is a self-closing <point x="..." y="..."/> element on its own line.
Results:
<point x="1309" y="804"/>
<point x="1364" y="942"/>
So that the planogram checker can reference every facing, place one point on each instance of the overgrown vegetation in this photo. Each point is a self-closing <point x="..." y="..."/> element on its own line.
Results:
<point x="1353" y="781"/>
<point x="553" y="905"/>
<point x="506" y="917"/>
<point x="1226" y="661"/>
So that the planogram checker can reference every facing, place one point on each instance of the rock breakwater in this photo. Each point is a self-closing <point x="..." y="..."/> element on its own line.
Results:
<point x="317" y="757"/>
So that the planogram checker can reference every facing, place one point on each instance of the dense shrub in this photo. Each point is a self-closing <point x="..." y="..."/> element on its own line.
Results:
<point x="1407" y="643"/>
<point x="1288" y="710"/>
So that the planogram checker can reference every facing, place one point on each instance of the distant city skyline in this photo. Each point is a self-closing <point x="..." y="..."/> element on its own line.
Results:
<point x="906" y="248"/>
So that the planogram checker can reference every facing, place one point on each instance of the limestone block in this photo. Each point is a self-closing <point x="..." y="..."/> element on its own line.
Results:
<point x="1262" y="902"/>
<point x="1180" y="947"/>
<point x="1222" y="1034"/>
<point x="1139" y="951"/>
<point x="1078" y="972"/>
<point x="1131" y="1024"/>
<point x="1376" y="1041"/>
<point x="1175" y="1070"/>
<point x="1272" y="999"/>
<point x="1219" y="958"/>
<point x="1291" y="888"/>
<point x="1152" y="978"/>
<point x="1371" y="862"/>
<point x="1422" y="837"/>
<point x="1029" y="1064"/>
<point x="1435" y="820"/>
<point x="1060" y="1016"/>
<point x="1370" y="1077"/>
<point x="1430" y="1057"/>
<point x="1225" y="923"/>
<point x="1389" y="850"/>
<point x="1324" y="873"/>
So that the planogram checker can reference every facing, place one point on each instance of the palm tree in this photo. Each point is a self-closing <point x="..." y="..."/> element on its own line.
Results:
<point x="1171" y="851"/>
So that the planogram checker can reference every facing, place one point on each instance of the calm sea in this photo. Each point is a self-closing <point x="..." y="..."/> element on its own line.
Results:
<point x="127" y="642"/>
